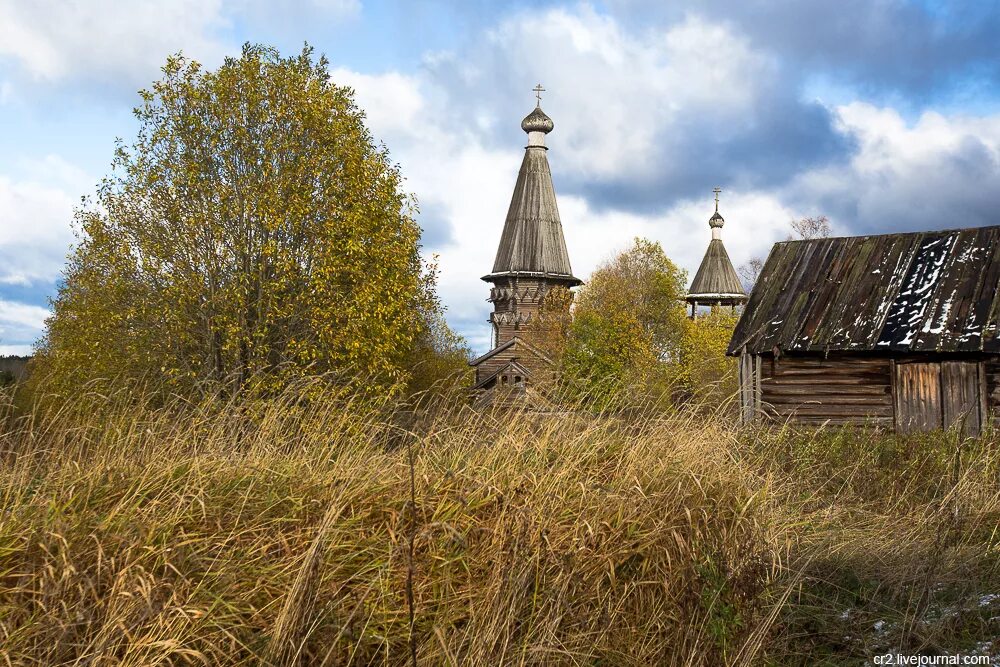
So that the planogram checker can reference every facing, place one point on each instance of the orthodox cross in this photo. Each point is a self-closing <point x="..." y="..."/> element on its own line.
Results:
<point x="538" y="94"/>
<point x="716" y="190"/>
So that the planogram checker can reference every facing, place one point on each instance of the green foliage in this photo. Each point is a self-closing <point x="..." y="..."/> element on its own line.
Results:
<point x="552" y="325"/>
<point x="438" y="359"/>
<point x="631" y="342"/>
<point x="705" y="374"/>
<point x="627" y="328"/>
<point x="253" y="233"/>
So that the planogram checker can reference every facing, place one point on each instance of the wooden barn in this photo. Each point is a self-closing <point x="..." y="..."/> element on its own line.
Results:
<point x="898" y="330"/>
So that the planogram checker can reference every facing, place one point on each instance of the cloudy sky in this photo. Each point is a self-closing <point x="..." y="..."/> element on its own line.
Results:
<point x="883" y="115"/>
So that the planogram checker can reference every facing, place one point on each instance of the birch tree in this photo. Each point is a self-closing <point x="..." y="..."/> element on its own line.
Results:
<point x="252" y="233"/>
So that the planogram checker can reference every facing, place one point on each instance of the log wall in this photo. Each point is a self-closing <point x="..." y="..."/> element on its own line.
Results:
<point x="908" y="394"/>
<point x="992" y="381"/>
<point x="814" y="390"/>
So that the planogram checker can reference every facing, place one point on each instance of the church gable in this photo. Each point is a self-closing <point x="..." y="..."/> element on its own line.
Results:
<point x="511" y="375"/>
<point x="529" y="359"/>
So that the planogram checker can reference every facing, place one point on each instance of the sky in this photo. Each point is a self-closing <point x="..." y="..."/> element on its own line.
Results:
<point x="883" y="115"/>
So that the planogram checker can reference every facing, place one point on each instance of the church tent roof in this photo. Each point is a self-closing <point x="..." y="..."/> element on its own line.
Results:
<point x="716" y="278"/>
<point x="532" y="241"/>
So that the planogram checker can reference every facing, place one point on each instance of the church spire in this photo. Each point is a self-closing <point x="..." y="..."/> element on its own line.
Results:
<point x="532" y="241"/>
<point x="531" y="260"/>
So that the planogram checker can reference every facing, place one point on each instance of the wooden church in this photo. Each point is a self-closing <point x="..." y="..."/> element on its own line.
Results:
<point x="531" y="260"/>
<point x="898" y="330"/>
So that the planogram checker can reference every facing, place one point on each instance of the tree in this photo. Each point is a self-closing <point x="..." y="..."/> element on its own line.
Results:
<point x="439" y="358"/>
<point x="706" y="376"/>
<point x="627" y="326"/>
<point x="810" y="228"/>
<point x="252" y="233"/>
<point x="552" y="323"/>
<point x="802" y="229"/>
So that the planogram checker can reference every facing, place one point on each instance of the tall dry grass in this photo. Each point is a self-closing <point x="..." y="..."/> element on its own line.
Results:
<point x="280" y="531"/>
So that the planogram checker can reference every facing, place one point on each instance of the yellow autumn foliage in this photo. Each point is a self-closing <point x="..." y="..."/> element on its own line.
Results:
<point x="631" y="343"/>
<point x="254" y="232"/>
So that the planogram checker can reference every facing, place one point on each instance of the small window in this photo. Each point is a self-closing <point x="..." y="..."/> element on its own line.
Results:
<point x="503" y="379"/>
<point x="517" y="379"/>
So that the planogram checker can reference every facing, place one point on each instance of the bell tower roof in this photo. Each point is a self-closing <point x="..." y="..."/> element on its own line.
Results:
<point x="532" y="242"/>
<point x="716" y="280"/>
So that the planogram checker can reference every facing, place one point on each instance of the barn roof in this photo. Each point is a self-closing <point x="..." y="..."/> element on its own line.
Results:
<point x="916" y="292"/>
<point x="532" y="241"/>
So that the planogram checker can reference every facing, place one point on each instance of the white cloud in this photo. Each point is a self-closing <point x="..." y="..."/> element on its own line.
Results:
<point x="24" y="315"/>
<point x="392" y="101"/>
<point x="339" y="7"/>
<point x="934" y="172"/>
<point x="124" y="44"/>
<point x="53" y="40"/>
<point x="20" y="323"/>
<point x="614" y="92"/>
<point x="35" y="219"/>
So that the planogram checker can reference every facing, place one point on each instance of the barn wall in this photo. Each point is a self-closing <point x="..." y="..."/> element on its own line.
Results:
<point x="838" y="390"/>
<point x="992" y="372"/>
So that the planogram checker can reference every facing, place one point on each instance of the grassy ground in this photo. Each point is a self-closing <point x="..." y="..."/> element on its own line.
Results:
<point x="293" y="532"/>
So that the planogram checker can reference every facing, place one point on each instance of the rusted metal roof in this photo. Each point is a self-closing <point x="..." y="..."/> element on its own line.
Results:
<point x="893" y="293"/>
<point x="532" y="241"/>
<point x="716" y="278"/>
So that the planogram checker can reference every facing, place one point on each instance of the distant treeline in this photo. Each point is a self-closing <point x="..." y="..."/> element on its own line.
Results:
<point x="13" y="368"/>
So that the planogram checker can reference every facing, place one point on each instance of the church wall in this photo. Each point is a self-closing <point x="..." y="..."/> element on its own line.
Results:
<point x="524" y="357"/>
<point x="522" y="302"/>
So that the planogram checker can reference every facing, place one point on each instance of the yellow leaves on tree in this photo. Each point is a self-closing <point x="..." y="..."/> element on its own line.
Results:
<point x="631" y="343"/>
<point x="627" y="327"/>
<point x="706" y="375"/>
<point x="252" y="233"/>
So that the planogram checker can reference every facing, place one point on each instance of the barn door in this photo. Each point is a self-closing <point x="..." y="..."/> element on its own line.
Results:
<point x="960" y="395"/>
<point x="937" y="395"/>
<point x="918" y="397"/>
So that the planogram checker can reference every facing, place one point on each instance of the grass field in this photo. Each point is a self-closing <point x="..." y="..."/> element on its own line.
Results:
<point x="298" y="532"/>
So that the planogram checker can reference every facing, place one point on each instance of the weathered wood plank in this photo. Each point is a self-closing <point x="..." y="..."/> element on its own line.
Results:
<point x="918" y="386"/>
<point x="858" y="401"/>
<point x="832" y="380"/>
<point x="960" y="396"/>
<point x="824" y="389"/>
<point x="828" y="411"/>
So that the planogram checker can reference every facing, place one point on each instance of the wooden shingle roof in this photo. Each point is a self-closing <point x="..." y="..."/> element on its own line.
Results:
<point x="532" y="241"/>
<point x="915" y="292"/>
<point x="716" y="278"/>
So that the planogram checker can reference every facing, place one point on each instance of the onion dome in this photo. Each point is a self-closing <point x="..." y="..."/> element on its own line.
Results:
<point x="716" y="221"/>
<point x="537" y="121"/>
